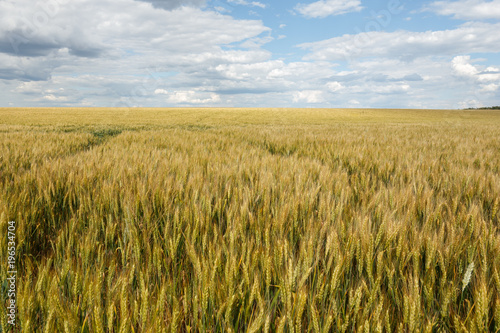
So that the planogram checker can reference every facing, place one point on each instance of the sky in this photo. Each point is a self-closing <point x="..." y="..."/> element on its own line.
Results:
<point x="244" y="53"/>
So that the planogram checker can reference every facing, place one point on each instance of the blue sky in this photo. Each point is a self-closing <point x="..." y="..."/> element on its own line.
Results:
<point x="244" y="53"/>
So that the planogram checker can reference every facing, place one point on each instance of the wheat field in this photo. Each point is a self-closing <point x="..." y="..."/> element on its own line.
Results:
<point x="252" y="220"/>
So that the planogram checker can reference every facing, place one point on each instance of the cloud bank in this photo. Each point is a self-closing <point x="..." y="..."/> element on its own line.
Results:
<point x="180" y="53"/>
<point x="467" y="9"/>
<point x="324" y="8"/>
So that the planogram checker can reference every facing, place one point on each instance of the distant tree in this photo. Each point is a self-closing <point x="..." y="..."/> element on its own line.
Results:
<point x="485" y="108"/>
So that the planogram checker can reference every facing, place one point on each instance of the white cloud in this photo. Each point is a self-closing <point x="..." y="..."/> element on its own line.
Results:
<point x="308" y="96"/>
<point x="193" y="97"/>
<point x="471" y="103"/>
<point x="248" y="3"/>
<point x="275" y="74"/>
<point x="384" y="82"/>
<point x="467" y="38"/>
<point x="490" y="74"/>
<point x="38" y="29"/>
<point x="251" y="71"/>
<point x="31" y="87"/>
<point x="91" y="28"/>
<point x="482" y="83"/>
<point x="334" y="86"/>
<point x="136" y="49"/>
<point x="488" y="80"/>
<point x="161" y="92"/>
<point x="467" y="9"/>
<point x="462" y="67"/>
<point x="324" y="8"/>
<point x="492" y="87"/>
<point x="52" y="98"/>
<point x="274" y="83"/>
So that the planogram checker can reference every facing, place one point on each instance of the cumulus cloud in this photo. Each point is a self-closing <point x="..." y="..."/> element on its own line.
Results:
<point x="37" y="29"/>
<point x="488" y="79"/>
<point x="110" y="37"/>
<point x="161" y="92"/>
<point x="123" y="52"/>
<point x="462" y="67"/>
<point x="482" y="83"/>
<point x="53" y="98"/>
<point x="467" y="9"/>
<point x="193" y="97"/>
<point x="308" y="96"/>
<point x="334" y="86"/>
<point x="88" y="28"/>
<point x="324" y="8"/>
<point x="389" y="82"/>
<point x="470" y="37"/>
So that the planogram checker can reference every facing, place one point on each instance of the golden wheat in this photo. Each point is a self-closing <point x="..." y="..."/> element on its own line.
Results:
<point x="236" y="220"/>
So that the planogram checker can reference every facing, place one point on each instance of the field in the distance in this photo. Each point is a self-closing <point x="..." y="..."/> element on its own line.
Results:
<point x="250" y="220"/>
